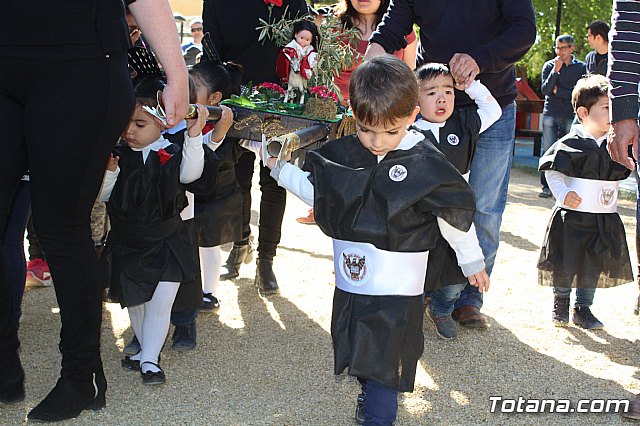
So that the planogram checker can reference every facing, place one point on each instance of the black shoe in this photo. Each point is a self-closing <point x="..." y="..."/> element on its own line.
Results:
<point x="560" y="313"/>
<point x="184" y="337"/>
<point x="130" y="364"/>
<point x="133" y="347"/>
<point x="545" y="193"/>
<point x="209" y="302"/>
<point x="359" y="417"/>
<point x="11" y="379"/>
<point x="153" y="377"/>
<point x="582" y="317"/>
<point x="237" y="256"/>
<point x="72" y="394"/>
<point x="265" y="278"/>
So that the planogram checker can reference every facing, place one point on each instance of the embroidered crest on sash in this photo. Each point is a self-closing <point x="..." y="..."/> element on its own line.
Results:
<point x="398" y="173"/>
<point x="453" y="139"/>
<point x="354" y="267"/>
<point x="607" y="196"/>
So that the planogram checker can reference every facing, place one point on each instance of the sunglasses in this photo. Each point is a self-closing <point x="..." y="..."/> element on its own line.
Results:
<point x="196" y="29"/>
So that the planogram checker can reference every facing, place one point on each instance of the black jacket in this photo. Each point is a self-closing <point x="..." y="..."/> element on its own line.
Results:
<point x="496" y="33"/>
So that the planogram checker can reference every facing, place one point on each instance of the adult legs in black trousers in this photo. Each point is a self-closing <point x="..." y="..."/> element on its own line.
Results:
<point x="60" y="120"/>
<point x="272" y="206"/>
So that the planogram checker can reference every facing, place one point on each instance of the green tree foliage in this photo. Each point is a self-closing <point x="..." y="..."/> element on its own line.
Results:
<point x="576" y="15"/>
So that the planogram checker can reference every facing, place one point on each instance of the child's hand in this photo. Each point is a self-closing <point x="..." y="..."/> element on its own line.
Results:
<point x="572" y="200"/>
<point x="195" y="125"/>
<point x="480" y="280"/>
<point x="112" y="164"/>
<point x="223" y="125"/>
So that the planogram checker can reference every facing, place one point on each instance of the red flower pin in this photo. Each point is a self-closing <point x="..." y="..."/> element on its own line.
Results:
<point x="163" y="156"/>
<point x="273" y="2"/>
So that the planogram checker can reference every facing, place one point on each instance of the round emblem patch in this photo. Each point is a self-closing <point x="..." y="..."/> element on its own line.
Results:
<point x="607" y="196"/>
<point x="354" y="267"/>
<point x="453" y="139"/>
<point x="398" y="173"/>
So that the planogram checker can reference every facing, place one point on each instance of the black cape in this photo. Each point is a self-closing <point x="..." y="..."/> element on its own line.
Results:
<point x="583" y="250"/>
<point x="457" y="141"/>
<point x="380" y="337"/>
<point x="148" y="241"/>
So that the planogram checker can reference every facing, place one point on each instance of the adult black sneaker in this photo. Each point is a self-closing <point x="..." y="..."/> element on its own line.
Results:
<point x="582" y="317"/>
<point x="184" y="337"/>
<point x="560" y="313"/>
<point x="359" y="417"/>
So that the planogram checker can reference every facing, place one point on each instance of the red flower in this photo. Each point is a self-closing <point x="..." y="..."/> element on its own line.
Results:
<point x="322" y="92"/>
<point x="163" y="156"/>
<point x="272" y="86"/>
<point x="273" y="2"/>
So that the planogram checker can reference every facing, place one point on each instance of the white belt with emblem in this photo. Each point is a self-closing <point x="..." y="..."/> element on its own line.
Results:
<point x="598" y="196"/>
<point x="362" y="268"/>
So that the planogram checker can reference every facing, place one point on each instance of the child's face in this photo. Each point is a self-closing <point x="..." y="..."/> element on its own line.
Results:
<point x="436" y="99"/>
<point x="142" y="130"/>
<point x="596" y="121"/>
<point x="379" y="140"/>
<point x="304" y="38"/>
<point x="202" y="91"/>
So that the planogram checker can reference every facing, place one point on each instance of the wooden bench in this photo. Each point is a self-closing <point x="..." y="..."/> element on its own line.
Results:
<point x="531" y="107"/>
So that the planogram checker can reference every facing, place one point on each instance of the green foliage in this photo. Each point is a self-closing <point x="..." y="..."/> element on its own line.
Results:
<point x="576" y="15"/>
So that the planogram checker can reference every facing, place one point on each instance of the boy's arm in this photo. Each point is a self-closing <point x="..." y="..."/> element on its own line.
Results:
<point x="294" y="180"/>
<point x="488" y="108"/>
<point x="192" y="163"/>
<point x="108" y="183"/>
<point x="556" y="183"/>
<point x="466" y="246"/>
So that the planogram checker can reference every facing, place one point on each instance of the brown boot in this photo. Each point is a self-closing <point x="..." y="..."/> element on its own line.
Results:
<point x="470" y="316"/>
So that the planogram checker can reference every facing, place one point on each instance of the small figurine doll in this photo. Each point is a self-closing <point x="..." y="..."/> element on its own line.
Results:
<point x="297" y="59"/>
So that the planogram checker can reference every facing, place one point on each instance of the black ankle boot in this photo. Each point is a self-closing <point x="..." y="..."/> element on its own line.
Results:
<point x="72" y="394"/>
<point x="560" y="313"/>
<point x="237" y="256"/>
<point x="11" y="380"/>
<point x="265" y="278"/>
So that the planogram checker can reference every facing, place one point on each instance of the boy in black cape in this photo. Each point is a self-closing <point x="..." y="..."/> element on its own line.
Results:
<point x="385" y="197"/>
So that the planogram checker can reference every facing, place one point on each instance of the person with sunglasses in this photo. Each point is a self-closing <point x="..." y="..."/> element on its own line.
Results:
<point x="193" y="48"/>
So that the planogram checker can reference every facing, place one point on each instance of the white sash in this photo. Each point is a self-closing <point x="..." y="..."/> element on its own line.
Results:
<point x="598" y="196"/>
<point x="362" y="268"/>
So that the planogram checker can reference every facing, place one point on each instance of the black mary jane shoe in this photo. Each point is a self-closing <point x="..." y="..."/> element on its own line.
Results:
<point x="129" y="364"/>
<point x="153" y="377"/>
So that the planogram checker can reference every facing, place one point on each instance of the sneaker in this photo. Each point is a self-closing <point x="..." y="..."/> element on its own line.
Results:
<point x="133" y="347"/>
<point x="359" y="417"/>
<point x="309" y="219"/>
<point x="209" y="302"/>
<point x="582" y="317"/>
<point x="545" y="193"/>
<point x="560" y="314"/>
<point x="184" y="337"/>
<point x="38" y="274"/>
<point x="445" y="326"/>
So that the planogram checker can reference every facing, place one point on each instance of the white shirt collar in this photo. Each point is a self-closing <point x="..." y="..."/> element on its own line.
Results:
<point x="423" y="124"/>
<point x="584" y="134"/>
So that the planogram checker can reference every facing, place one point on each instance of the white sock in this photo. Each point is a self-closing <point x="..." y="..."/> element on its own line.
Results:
<point x="210" y="264"/>
<point x="136" y="316"/>
<point x="157" y="315"/>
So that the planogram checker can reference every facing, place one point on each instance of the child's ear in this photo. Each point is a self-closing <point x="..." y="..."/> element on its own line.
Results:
<point x="214" y="98"/>
<point x="582" y="113"/>
<point x="412" y="117"/>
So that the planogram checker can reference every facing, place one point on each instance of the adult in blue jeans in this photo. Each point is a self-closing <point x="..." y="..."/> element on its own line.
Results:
<point x="497" y="34"/>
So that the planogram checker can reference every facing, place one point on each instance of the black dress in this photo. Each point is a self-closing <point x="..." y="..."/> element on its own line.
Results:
<point x="380" y="337"/>
<point x="457" y="141"/>
<point x="583" y="250"/>
<point x="148" y="241"/>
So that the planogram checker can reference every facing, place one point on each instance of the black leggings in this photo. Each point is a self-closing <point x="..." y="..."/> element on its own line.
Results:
<point x="60" y="120"/>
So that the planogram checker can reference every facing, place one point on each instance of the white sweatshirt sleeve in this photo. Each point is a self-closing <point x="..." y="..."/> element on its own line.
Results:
<point x="108" y="183"/>
<point x="488" y="108"/>
<point x="466" y="246"/>
<point x="192" y="163"/>
<point x="557" y="185"/>
<point x="295" y="181"/>
<point x="206" y="139"/>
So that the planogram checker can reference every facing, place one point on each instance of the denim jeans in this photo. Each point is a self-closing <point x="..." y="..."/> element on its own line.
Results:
<point x="584" y="296"/>
<point x="443" y="299"/>
<point x="489" y="179"/>
<point x="380" y="404"/>
<point x="553" y="128"/>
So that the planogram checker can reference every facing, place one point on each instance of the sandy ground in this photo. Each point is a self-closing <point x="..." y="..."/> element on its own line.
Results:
<point x="268" y="361"/>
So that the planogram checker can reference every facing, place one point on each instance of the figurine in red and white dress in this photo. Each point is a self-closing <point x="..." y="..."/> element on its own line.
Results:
<point x="297" y="59"/>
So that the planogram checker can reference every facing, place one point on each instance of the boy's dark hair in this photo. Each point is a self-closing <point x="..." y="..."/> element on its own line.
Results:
<point x="599" y="28"/>
<point x="383" y="90"/>
<point x="588" y="91"/>
<point x="224" y="78"/>
<point x="145" y="89"/>
<point x="432" y="70"/>
<point x="305" y="24"/>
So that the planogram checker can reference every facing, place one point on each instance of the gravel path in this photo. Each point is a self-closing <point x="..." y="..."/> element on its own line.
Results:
<point x="268" y="361"/>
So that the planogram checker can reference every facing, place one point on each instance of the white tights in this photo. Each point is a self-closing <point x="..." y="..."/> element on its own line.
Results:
<point x="210" y="264"/>
<point x="150" y="322"/>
